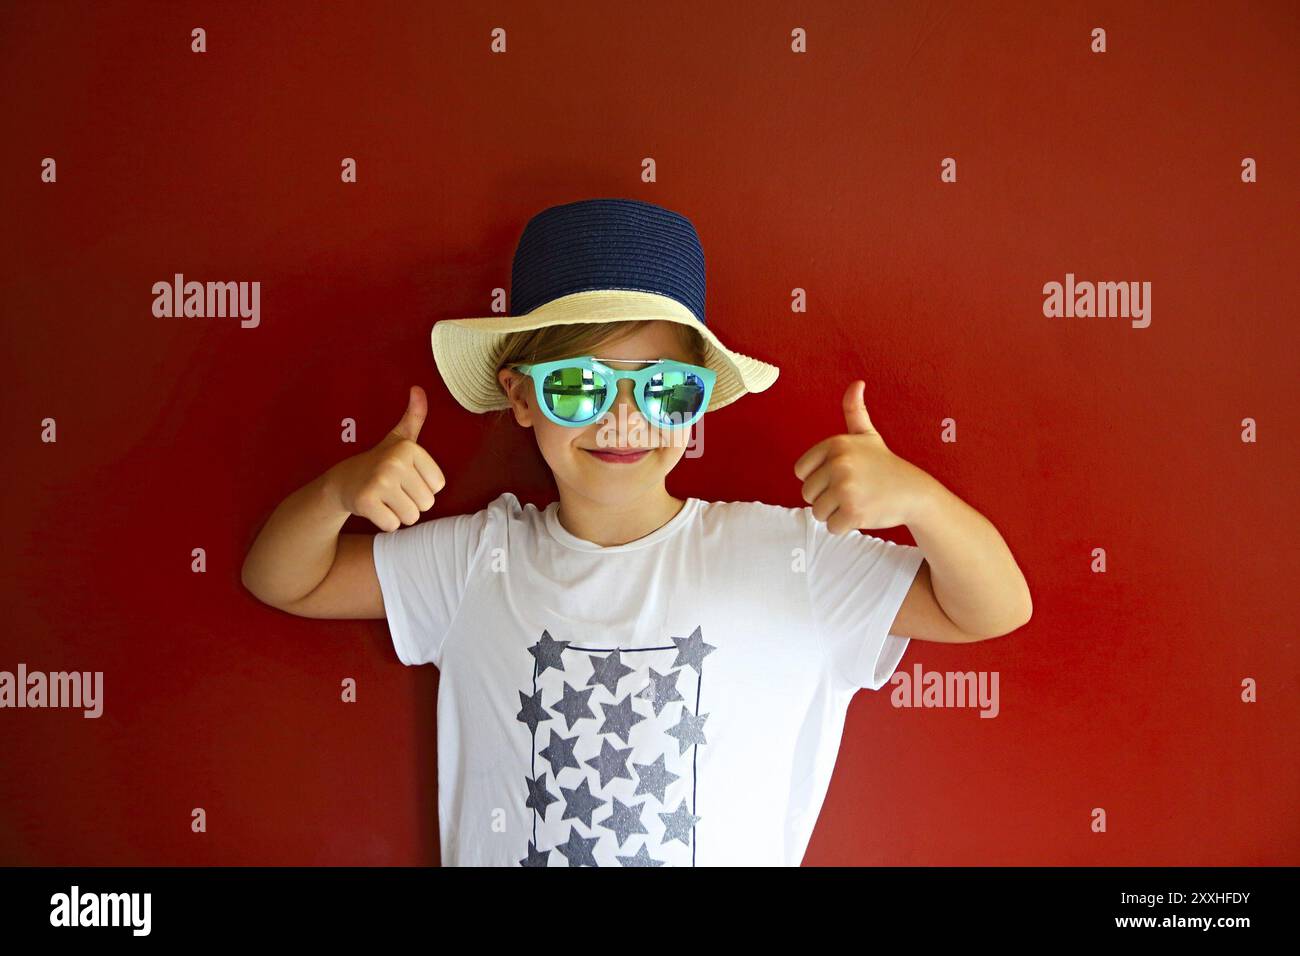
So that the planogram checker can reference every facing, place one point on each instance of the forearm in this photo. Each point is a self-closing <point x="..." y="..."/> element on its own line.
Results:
<point x="296" y="547"/>
<point x="975" y="577"/>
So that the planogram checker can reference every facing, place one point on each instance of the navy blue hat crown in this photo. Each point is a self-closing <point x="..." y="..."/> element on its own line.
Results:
<point x="607" y="244"/>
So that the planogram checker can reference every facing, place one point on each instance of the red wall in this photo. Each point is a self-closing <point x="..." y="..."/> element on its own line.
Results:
<point x="818" y="171"/>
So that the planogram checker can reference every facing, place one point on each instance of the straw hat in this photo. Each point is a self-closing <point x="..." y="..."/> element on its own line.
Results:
<point x="595" y="260"/>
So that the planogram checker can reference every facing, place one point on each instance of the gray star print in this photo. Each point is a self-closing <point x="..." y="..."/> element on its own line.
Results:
<point x="532" y="713"/>
<point x="547" y="653"/>
<point x="573" y="705"/>
<point x="559" y="752"/>
<point x="624" y="820"/>
<point x="692" y="650"/>
<point x="610" y="762"/>
<point x="537" y="857"/>
<point x="539" y="798"/>
<point x="577" y="849"/>
<point x="689" y="730"/>
<point x="662" y="690"/>
<point x="580" y="802"/>
<point x="586" y="756"/>
<point x="641" y="858"/>
<point x="607" y="671"/>
<point x="654" y="777"/>
<point x="677" y="825"/>
<point x="619" y="718"/>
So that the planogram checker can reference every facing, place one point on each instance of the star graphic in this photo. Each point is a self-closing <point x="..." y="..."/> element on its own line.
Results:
<point x="642" y="858"/>
<point x="692" y="650"/>
<point x="559" y="752"/>
<point x="677" y="825"/>
<point x="607" y="671"/>
<point x="653" y="778"/>
<point x="573" y="705"/>
<point x="615" y="725"/>
<point x="537" y="857"/>
<point x="539" y="798"/>
<point x="610" y="763"/>
<point x="532" y="713"/>
<point x="577" y="849"/>
<point x="689" y="730"/>
<point x="624" y="821"/>
<point x="620" y="718"/>
<point x="547" y="653"/>
<point x="662" y="690"/>
<point x="580" y="802"/>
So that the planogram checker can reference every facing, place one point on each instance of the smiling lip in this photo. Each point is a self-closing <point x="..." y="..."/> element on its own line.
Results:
<point x="617" y="457"/>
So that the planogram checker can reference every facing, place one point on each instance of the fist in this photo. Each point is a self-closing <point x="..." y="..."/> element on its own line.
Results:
<point x="394" y="482"/>
<point x="854" y="482"/>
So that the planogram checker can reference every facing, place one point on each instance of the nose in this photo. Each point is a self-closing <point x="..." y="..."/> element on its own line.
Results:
<point x="626" y="397"/>
<point x="625" y="410"/>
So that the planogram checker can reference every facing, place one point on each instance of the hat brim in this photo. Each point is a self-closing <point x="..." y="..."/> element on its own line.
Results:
<point x="466" y="351"/>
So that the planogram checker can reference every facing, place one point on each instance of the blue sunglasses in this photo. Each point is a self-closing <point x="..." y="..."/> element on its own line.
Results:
<point x="577" y="391"/>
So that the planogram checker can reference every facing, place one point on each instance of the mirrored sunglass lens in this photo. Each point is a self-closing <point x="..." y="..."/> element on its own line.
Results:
<point x="574" y="394"/>
<point x="674" y="397"/>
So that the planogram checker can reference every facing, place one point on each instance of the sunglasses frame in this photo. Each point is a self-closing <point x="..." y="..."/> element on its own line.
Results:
<point x="640" y="379"/>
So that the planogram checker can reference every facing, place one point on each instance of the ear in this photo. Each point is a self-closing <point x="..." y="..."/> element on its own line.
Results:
<point x="510" y="382"/>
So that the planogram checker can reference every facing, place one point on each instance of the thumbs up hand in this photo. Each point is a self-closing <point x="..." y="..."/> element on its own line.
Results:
<point x="853" y="481"/>
<point x="394" y="482"/>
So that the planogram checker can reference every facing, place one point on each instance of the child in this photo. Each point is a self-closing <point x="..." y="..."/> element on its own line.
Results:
<point x="630" y="678"/>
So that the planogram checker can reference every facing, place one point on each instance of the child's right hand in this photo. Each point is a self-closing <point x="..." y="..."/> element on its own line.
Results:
<point x="392" y="483"/>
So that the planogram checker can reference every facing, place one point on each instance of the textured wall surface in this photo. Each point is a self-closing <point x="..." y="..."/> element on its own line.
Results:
<point x="820" y="170"/>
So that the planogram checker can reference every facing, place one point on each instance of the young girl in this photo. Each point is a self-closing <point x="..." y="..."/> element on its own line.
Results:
<point x="630" y="678"/>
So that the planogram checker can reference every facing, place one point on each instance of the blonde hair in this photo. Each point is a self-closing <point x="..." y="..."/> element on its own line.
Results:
<point x="561" y="341"/>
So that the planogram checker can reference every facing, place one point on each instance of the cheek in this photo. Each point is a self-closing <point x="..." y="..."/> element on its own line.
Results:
<point x="553" y="440"/>
<point x="671" y="456"/>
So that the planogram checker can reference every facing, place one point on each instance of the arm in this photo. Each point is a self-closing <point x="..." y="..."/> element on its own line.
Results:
<point x="300" y="563"/>
<point x="969" y="587"/>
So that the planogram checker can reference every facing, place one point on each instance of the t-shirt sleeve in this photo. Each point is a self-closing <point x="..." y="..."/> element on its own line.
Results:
<point x="423" y="572"/>
<point x="857" y="583"/>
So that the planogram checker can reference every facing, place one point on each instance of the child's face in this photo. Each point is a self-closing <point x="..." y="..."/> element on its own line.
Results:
<point x="575" y="454"/>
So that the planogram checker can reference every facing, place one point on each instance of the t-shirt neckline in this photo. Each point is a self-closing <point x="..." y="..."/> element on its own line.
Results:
<point x="570" y="540"/>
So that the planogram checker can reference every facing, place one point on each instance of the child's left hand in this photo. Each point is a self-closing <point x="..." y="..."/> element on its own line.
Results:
<point x="854" y="482"/>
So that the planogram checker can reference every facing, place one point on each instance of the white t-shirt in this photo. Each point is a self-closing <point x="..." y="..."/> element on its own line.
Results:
<point x="677" y="700"/>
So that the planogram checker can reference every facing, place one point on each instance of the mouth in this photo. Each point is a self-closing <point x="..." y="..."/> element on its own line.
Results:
<point x="620" y="457"/>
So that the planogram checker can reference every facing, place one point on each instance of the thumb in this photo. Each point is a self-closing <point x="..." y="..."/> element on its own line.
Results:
<point x="417" y="407"/>
<point x="855" y="410"/>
